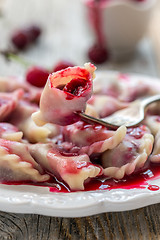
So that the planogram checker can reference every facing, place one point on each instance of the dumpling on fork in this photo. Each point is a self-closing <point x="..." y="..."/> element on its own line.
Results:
<point x="65" y="93"/>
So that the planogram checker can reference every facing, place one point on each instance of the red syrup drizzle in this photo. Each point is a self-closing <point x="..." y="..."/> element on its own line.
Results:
<point x="135" y="181"/>
<point x="98" y="53"/>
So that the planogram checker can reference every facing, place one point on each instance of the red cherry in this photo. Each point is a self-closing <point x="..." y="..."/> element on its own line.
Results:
<point x="37" y="76"/>
<point x="62" y="65"/>
<point x="98" y="54"/>
<point x="33" y="32"/>
<point x="20" y="40"/>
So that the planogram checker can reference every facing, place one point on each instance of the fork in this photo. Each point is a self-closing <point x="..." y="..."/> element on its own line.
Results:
<point x="130" y="116"/>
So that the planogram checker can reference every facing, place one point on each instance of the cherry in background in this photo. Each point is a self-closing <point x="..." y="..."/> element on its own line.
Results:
<point x="98" y="54"/>
<point x="22" y="38"/>
<point x="33" y="32"/>
<point x="37" y="76"/>
<point x="62" y="65"/>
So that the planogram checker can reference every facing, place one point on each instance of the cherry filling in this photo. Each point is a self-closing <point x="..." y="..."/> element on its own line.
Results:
<point x="130" y="153"/>
<point x="72" y="168"/>
<point x="76" y="87"/>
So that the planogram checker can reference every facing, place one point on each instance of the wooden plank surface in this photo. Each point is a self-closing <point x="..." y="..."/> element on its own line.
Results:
<point x="138" y="224"/>
<point x="67" y="37"/>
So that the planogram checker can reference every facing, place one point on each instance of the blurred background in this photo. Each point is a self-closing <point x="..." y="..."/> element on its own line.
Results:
<point x="68" y="34"/>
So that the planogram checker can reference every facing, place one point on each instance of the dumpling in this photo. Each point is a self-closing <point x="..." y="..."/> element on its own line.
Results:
<point x="16" y="163"/>
<point x="125" y="88"/>
<point x="91" y="111"/>
<point x="106" y="105"/>
<point x="10" y="84"/>
<point x="21" y="118"/>
<point x="10" y="132"/>
<point x="130" y="155"/>
<point x="8" y="103"/>
<point x="153" y="122"/>
<point x="35" y="134"/>
<point x="23" y="111"/>
<point x="93" y="138"/>
<point x="134" y="87"/>
<point x="74" y="169"/>
<point x="155" y="156"/>
<point x="65" y="93"/>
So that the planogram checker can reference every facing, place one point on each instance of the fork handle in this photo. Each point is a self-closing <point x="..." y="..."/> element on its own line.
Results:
<point x="146" y="101"/>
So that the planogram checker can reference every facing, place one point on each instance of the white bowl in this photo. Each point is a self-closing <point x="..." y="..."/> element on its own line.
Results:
<point x="124" y="23"/>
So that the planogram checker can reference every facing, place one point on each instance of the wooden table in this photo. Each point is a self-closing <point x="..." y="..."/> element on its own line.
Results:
<point x="66" y="37"/>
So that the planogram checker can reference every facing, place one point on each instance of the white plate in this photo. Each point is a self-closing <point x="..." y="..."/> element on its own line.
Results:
<point x="39" y="200"/>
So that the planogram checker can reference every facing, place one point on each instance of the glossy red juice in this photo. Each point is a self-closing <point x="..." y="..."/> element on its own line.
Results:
<point x="140" y="180"/>
<point x="135" y="181"/>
